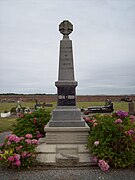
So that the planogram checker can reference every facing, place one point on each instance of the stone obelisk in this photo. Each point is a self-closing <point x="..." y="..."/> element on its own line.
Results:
<point x="66" y="114"/>
<point x="66" y="133"/>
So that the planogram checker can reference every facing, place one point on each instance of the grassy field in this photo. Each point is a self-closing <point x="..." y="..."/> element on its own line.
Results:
<point x="117" y="105"/>
<point x="8" y="123"/>
<point x="4" y="106"/>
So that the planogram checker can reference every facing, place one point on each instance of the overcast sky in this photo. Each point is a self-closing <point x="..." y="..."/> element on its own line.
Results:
<point x="103" y="45"/>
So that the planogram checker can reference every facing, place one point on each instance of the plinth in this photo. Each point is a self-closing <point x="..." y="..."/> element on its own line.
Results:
<point x="66" y="132"/>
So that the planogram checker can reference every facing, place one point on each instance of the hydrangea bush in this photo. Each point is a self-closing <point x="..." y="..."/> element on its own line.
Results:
<point x="32" y="123"/>
<point x="18" y="152"/>
<point x="112" y="139"/>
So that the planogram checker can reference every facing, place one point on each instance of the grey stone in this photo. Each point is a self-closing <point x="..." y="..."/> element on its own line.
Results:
<point x="66" y="117"/>
<point x="131" y="107"/>
<point x="66" y="135"/>
<point x="67" y="159"/>
<point x="65" y="28"/>
<point x="66" y="66"/>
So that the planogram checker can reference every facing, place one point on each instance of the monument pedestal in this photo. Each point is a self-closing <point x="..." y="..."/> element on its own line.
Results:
<point x="64" y="146"/>
<point x="66" y="116"/>
<point x="66" y="135"/>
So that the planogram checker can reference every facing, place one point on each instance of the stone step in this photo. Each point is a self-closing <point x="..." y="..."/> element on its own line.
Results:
<point x="63" y="159"/>
<point x="67" y="148"/>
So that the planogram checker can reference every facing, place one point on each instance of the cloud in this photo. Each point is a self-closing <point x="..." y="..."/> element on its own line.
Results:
<point x="103" y="45"/>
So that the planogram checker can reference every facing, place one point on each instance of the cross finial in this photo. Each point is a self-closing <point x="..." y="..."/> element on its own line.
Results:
<point x="65" y="27"/>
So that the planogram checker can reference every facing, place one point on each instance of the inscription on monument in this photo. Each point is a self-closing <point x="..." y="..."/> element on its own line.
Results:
<point x="66" y="96"/>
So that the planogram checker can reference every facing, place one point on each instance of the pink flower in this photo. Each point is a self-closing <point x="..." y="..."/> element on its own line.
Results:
<point x="29" y="154"/>
<point x="17" y="163"/>
<point x="118" y="121"/>
<point x="96" y="143"/>
<point x="95" y="124"/>
<point x="8" y="143"/>
<point x="132" y="119"/>
<point x="28" y="141"/>
<point x="103" y="165"/>
<point x="24" y="154"/>
<point x="39" y="135"/>
<point x="95" y="158"/>
<point x="34" y="141"/>
<point x="86" y="119"/>
<point x="29" y="136"/>
<point x="122" y="114"/>
<point x="130" y="132"/>
<point x="93" y="120"/>
<point x="14" y="138"/>
<point x="1" y="144"/>
<point x="22" y="138"/>
<point x="11" y="158"/>
<point x="18" y="148"/>
<point x="16" y="157"/>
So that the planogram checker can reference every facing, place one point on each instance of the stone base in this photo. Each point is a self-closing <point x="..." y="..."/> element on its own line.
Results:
<point x="66" y="116"/>
<point x="64" y="146"/>
<point x="66" y="135"/>
<point x="64" y="154"/>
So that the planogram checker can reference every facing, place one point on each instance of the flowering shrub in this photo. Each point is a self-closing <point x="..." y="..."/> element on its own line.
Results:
<point x="32" y="123"/>
<point x="17" y="151"/>
<point x="121" y="114"/>
<point x="112" y="139"/>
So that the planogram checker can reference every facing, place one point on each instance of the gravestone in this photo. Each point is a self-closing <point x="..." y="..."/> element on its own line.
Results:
<point x="67" y="132"/>
<point x="131" y="107"/>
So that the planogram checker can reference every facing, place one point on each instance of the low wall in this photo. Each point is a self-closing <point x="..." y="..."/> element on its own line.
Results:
<point x="53" y="98"/>
<point x="100" y="98"/>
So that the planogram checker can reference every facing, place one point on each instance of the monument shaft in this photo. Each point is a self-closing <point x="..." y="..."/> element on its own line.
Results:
<point x="66" y="67"/>
<point x="66" y="84"/>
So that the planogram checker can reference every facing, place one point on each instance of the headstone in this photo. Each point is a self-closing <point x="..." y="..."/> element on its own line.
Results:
<point x="131" y="107"/>
<point x="4" y="115"/>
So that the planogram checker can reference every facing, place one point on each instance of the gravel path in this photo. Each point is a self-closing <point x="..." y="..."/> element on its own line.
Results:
<point x="70" y="173"/>
<point x="2" y="136"/>
<point x="90" y="173"/>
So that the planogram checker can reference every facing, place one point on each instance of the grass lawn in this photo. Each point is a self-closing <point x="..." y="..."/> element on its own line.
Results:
<point x="4" y="106"/>
<point x="117" y="105"/>
<point x="7" y="124"/>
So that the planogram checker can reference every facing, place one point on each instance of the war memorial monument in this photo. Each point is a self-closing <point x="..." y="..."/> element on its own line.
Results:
<point x="66" y="132"/>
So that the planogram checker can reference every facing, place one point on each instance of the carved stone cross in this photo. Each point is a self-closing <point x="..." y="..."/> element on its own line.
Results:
<point x="65" y="27"/>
